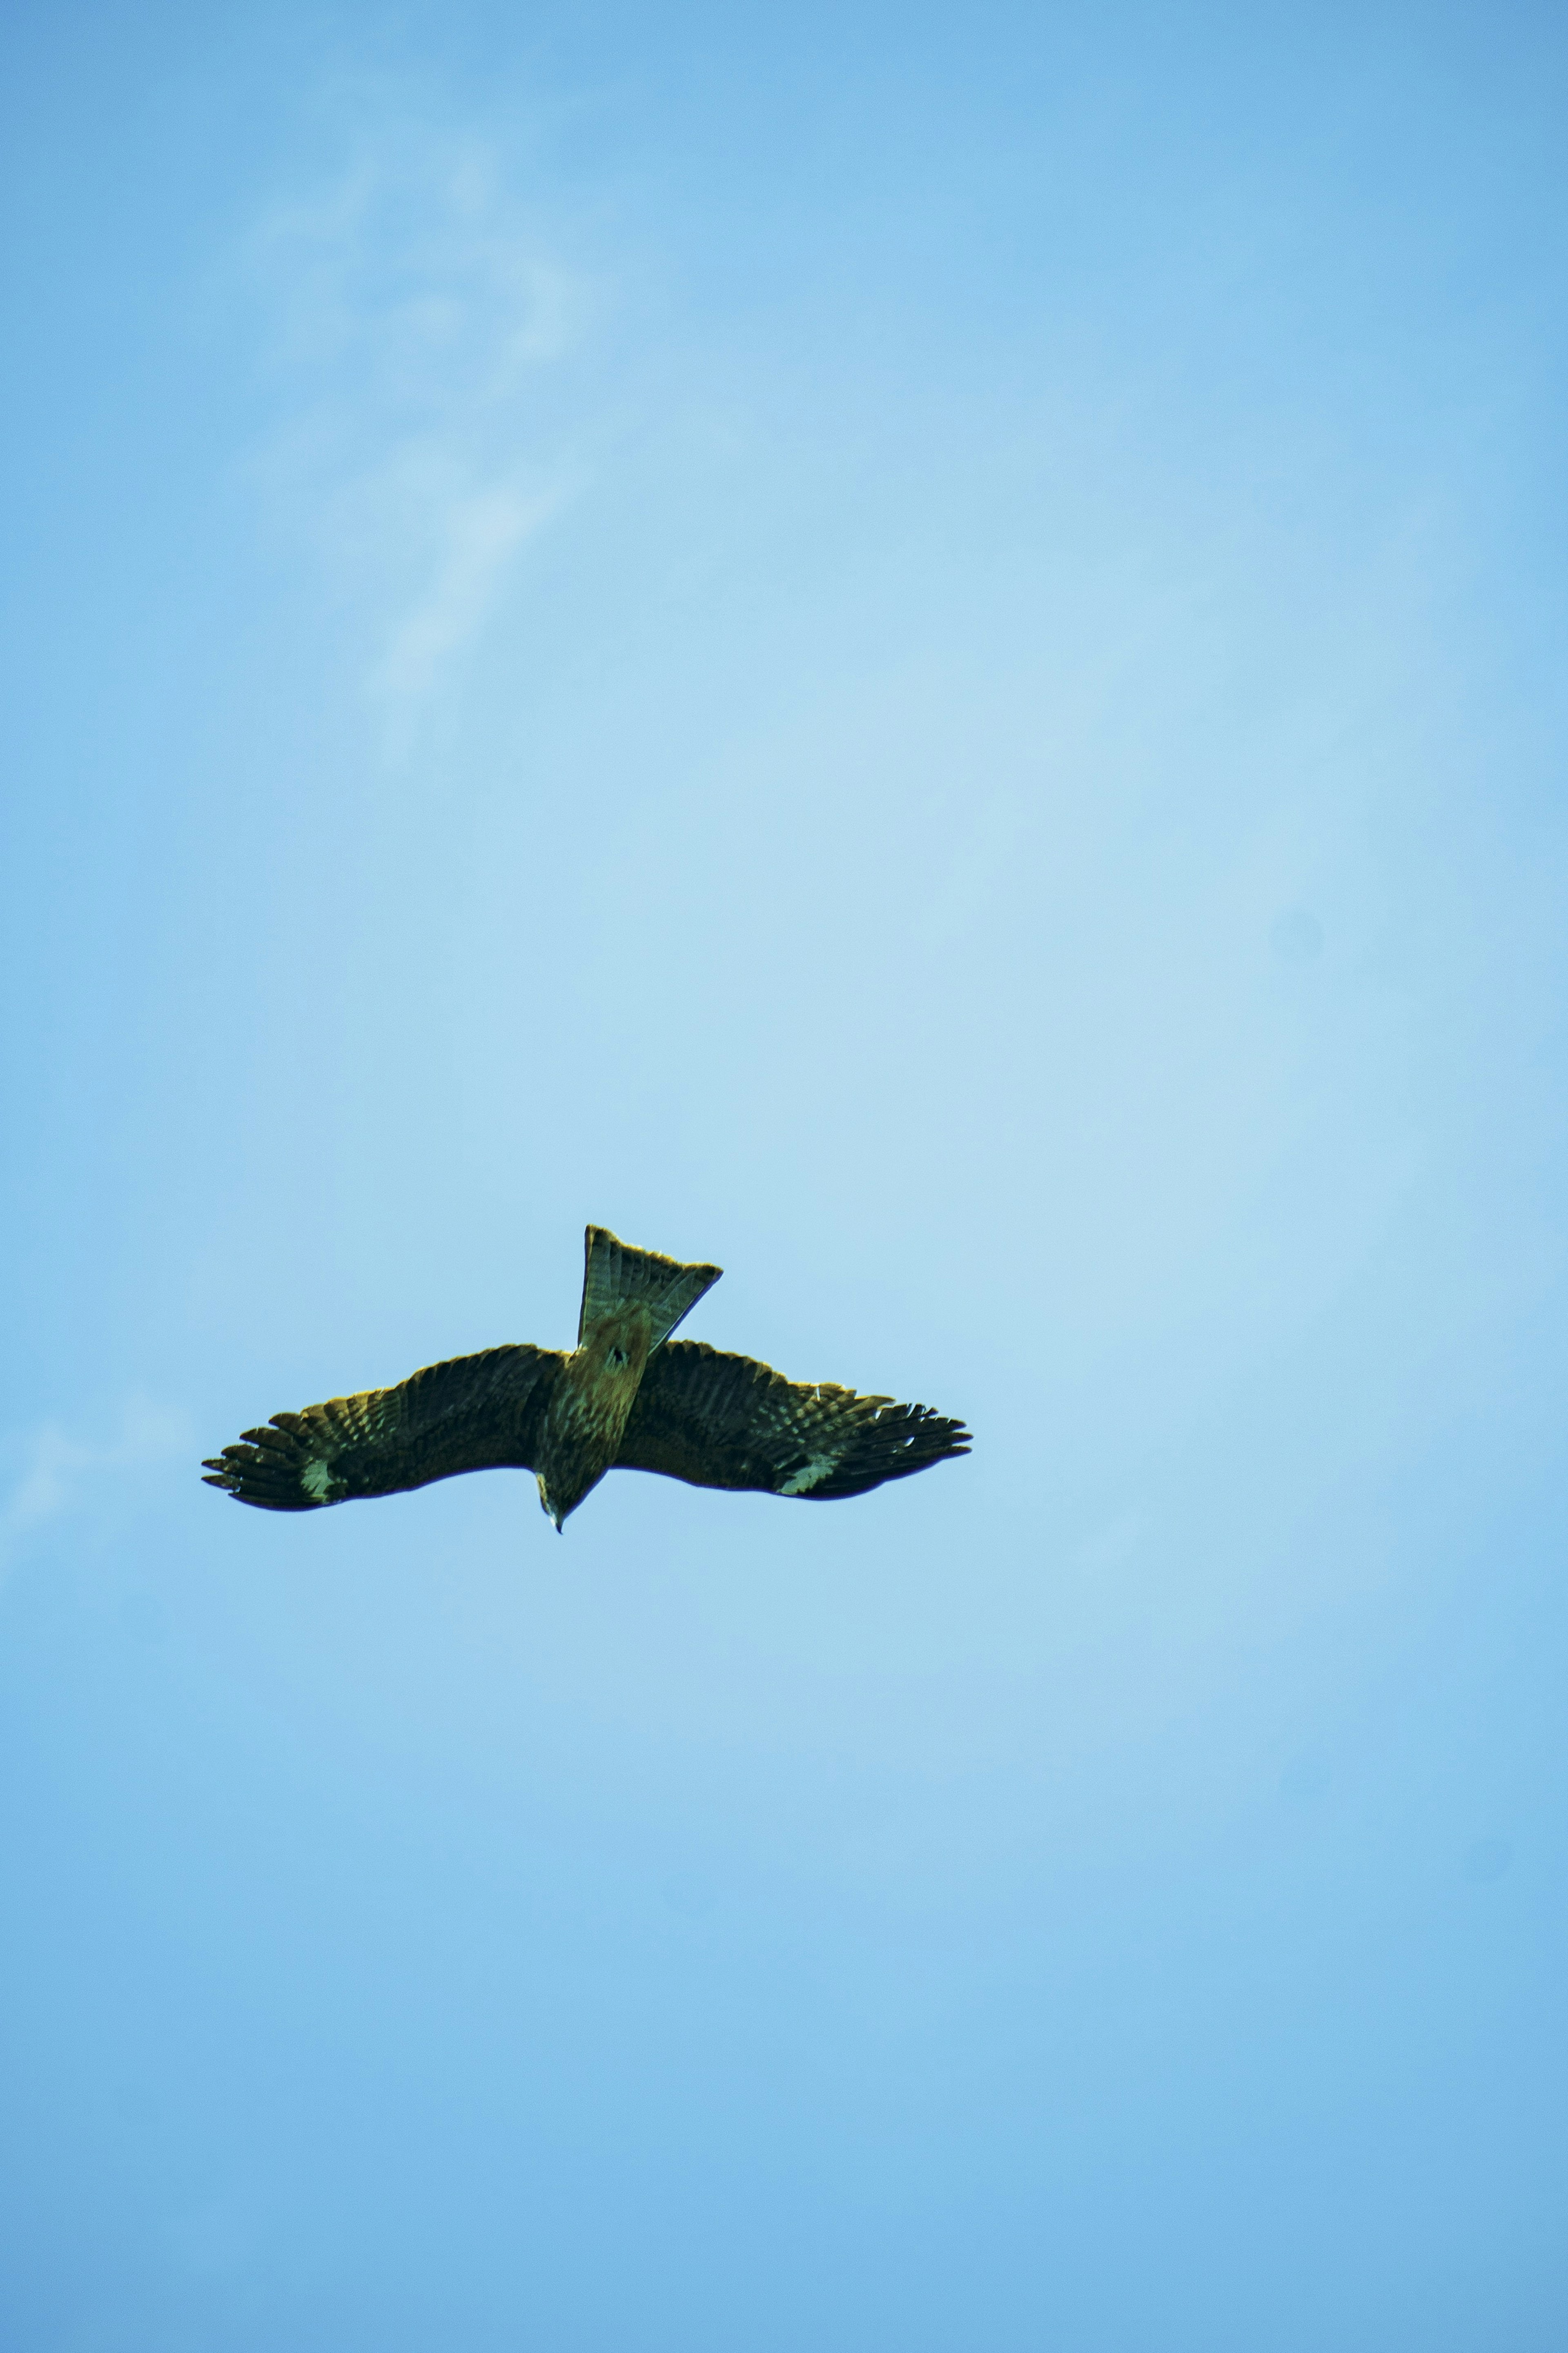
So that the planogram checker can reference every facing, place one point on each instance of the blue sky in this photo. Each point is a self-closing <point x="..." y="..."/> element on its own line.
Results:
<point x="920" y="654"/>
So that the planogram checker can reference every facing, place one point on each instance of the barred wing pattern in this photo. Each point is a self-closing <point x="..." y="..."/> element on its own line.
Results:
<point x="727" y="1422"/>
<point x="472" y="1413"/>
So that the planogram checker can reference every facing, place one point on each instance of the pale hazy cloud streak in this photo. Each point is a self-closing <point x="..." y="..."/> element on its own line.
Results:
<point x="414" y="310"/>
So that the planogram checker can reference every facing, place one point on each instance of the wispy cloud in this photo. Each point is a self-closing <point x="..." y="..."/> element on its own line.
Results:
<point x="415" y="314"/>
<point x="59" y="1471"/>
<point x="481" y="529"/>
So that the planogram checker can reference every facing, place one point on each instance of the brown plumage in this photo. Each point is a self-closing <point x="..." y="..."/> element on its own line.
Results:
<point x="628" y="1397"/>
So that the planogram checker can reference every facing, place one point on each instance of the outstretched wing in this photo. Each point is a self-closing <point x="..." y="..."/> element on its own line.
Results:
<point x="727" y="1422"/>
<point x="472" y="1413"/>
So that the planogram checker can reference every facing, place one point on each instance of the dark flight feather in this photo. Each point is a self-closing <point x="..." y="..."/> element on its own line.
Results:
<point x="471" y="1413"/>
<point x="718" y="1420"/>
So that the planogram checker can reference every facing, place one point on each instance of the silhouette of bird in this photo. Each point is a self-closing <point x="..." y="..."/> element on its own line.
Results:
<point x="628" y="1397"/>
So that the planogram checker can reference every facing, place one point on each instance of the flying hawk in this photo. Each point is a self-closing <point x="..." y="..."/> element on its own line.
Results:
<point x="628" y="1397"/>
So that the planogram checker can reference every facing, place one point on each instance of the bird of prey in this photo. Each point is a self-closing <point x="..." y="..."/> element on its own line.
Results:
<point x="628" y="1397"/>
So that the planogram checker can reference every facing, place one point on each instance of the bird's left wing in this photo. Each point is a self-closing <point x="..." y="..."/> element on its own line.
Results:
<point x="727" y="1422"/>
<point x="472" y="1413"/>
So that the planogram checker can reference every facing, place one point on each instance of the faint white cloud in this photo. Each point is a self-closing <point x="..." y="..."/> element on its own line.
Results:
<point x="481" y="531"/>
<point x="416" y="314"/>
<point x="59" y="1471"/>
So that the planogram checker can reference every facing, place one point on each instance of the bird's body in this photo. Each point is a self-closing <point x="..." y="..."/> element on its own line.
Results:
<point x="590" y="1399"/>
<point x="627" y="1397"/>
<point x="632" y="1302"/>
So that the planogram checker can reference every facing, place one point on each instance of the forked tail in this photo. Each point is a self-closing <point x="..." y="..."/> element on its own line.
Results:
<point x="614" y="1274"/>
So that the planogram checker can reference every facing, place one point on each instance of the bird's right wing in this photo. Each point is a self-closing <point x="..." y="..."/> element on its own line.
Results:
<point x="472" y="1413"/>
<point x="717" y="1420"/>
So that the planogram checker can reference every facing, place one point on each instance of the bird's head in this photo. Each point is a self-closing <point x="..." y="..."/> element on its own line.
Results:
<point x="559" y="1498"/>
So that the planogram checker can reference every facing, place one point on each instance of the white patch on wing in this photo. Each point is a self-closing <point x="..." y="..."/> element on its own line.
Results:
<point x="804" y="1481"/>
<point x="316" y="1479"/>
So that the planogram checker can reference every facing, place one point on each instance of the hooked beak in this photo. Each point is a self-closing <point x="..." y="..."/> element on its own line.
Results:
<point x="549" y="1509"/>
